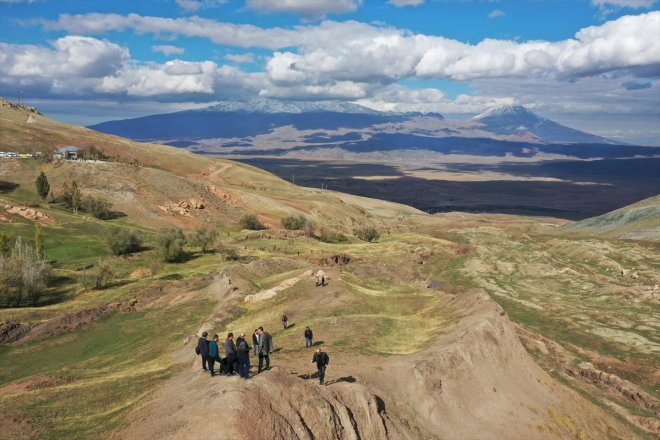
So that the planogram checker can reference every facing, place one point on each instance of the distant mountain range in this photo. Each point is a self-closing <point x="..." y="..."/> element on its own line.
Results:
<point x="245" y="119"/>
<point x="266" y="126"/>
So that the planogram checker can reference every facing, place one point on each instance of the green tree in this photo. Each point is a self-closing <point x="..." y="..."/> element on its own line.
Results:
<point x="294" y="222"/>
<point x="251" y="221"/>
<point x="5" y="245"/>
<point x="205" y="237"/>
<point x="123" y="241"/>
<point x="43" y="187"/>
<point x="39" y="241"/>
<point x="170" y="245"/>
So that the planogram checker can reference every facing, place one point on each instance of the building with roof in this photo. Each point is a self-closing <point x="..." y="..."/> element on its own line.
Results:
<point x="69" y="152"/>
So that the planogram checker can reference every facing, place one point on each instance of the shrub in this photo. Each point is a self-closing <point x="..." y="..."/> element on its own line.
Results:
<point x="104" y="274"/>
<point x="230" y="253"/>
<point x="100" y="208"/>
<point x="251" y="221"/>
<point x="328" y="236"/>
<point x="293" y="222"/>
<point x="22" y="275"/>
<point x="170" y="245"/>
<point x="367" y="233"/>
<point x="5" y="245"/>
<point x="310" y="229"/>
<point x="123" y="241"/>
<point x="205" y="237"/>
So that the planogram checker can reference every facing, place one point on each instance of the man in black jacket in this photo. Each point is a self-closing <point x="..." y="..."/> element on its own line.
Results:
<point x="243" y="350"/>
<point x="203" y="350"/>
<point x="308" y="337"/>
<point x="230" y="349"/>
<point x="322" y="360"/>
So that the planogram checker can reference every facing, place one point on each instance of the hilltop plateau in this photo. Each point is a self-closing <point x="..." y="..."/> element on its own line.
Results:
<point x="450" y="325"/>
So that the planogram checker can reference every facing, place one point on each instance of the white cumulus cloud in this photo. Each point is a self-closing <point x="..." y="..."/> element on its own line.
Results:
<point x="404" y="3"/>
<point x="310" y="9"/>
<point x="242" y="58"/>
<point x="166" y="49"/>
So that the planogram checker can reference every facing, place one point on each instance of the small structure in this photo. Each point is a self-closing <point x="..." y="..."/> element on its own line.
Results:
<point x="68" y="153"/>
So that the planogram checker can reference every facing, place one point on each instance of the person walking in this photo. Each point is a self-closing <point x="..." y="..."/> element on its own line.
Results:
<point x="308" y="337"/>
<point x="285" y="321"/>
<point x="202" y="349"/>
<point x="243" y="350"/>
<point x="265" y="349"/>
<point x="322" y="359"/>
<point x="214" y="352"/>
<point x="255" y="341"/>
<point x="230" y="349"/>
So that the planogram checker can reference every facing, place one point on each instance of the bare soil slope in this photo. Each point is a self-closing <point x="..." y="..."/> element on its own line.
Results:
<point x="475" y="380"/>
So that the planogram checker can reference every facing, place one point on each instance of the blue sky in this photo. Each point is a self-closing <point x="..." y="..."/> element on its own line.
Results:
<point x="590" y="64"/>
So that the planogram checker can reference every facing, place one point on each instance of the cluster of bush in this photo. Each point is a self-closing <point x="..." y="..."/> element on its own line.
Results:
<point x="73" y="199"/>
<point x="24" y="274"/>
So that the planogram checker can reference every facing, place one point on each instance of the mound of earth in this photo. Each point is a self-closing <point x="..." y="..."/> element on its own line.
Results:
<point x="476" y="370"/>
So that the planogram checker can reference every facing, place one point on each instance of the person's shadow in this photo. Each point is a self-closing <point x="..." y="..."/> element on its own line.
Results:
<point x="305" y="376"/>
<point x="318" y="343"/>
<point x="349" y="379"/>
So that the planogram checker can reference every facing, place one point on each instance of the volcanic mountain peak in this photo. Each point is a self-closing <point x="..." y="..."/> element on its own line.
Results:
<point x="508" y="111"/>
<point x="263" y="105"/>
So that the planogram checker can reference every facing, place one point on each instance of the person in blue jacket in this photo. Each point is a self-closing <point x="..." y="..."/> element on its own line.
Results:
<point x="213" y="354"/>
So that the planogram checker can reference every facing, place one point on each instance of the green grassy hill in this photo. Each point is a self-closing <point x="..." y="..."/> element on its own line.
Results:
<point x="639" y="221"/>
<point x="418" y="324"/>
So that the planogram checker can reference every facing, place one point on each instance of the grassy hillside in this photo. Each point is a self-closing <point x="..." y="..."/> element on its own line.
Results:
<point x="415" y="342"/>
<point x="639" y="221"/>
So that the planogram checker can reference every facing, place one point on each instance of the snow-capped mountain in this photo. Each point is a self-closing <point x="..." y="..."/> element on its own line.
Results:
<point x="273" y="106"/>
<point x="521" y="123"/>
<point x="234" y="119"/>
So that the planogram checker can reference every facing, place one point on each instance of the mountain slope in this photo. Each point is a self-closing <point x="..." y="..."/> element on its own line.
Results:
<point x="639" y="221"/>
<point x="235" y="120"/>
<point x="148" y="181"/>
<point x="522" y="123"/>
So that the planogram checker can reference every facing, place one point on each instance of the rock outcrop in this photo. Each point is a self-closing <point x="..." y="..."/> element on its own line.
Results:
<point x="12" y="331"/>
<point x="29" y="213"/>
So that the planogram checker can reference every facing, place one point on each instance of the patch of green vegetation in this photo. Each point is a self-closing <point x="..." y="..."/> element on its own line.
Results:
<point x="102" y="370"/>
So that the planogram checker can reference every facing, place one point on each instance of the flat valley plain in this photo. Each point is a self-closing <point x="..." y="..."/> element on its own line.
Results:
<point x="569" y="189"/>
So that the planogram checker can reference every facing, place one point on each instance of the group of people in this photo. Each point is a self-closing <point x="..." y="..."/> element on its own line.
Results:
<point x="237" y="353"/>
